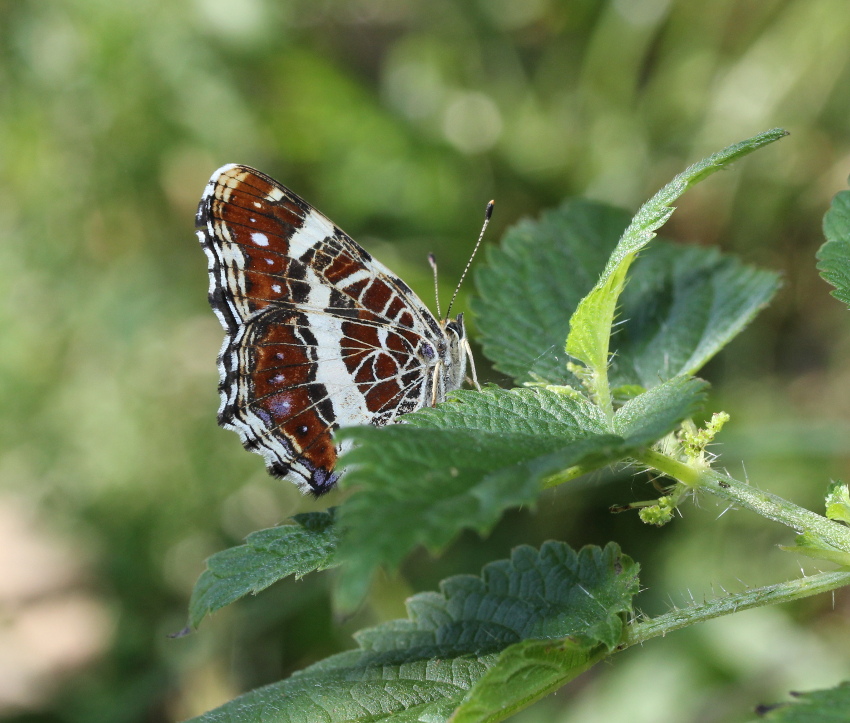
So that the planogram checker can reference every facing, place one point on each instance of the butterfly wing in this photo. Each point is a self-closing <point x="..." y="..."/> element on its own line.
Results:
<point x="318" y="334"/>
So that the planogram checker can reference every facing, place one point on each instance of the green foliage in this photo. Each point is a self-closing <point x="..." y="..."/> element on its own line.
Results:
<point x="462" y="464"/>
<point x="423" y="667"/>
<point x="525" y="672"/>
<point x="590" y="325"/>
<point x="834" y="255"/>
<point x="681" y="306"/>
<point x="550" y="264"/>
<point x="113" y="117"/>
<point x="838" y="502"/>
<point x="488" y="646"/>
<point x="816" y="706"/>
<point x="266" y="557"/>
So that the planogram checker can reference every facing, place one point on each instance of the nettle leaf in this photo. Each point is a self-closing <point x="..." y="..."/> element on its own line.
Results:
<point x="817" y="706"/>
<point x="838" y="502"/>
<point x="590" y="326"/>
<point x="834" y="255"/>
<point x="266" y="557"/>
<point x="421" y="668"/>
<point x="528" y="670"/>
<point x="550" y="264"/>
<point x="463" y="463"/>
<point x="682" y="305"/>
<point x="524" y="673"/>
<point x="679" y="308"/>
<point x="654" y="414"/>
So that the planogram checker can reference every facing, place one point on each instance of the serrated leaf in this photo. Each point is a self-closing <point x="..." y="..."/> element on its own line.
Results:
<point x="590" y="326"/>
<point x="421" y="668"/>
<point x="266" y="557"/>
<point x="524" y="673"/>
<point x="550" y="264"/>
<point x="680" y="307"/>
<point x="463" y="463"/>
<point x="838" y="502"/>
<point x="528" y="670"/>
<point x="834" y="255"/>
<point x="647" y="418"/>
<point x="830" y="705"/>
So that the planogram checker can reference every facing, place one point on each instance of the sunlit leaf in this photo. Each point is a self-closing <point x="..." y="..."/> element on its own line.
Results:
<point x="533" y="281"/>
<point x="422" y="667"/>
<point x="682" y="304"/>
<point x="590" y="325"/>
<point x="462" y="464"/>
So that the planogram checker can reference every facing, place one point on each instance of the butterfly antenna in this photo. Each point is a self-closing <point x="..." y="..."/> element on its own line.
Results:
<point x="433" y="261"/>
<point x="487" y="214"/>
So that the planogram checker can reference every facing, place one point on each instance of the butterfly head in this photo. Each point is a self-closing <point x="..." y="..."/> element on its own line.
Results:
<point x="450" y="368"/>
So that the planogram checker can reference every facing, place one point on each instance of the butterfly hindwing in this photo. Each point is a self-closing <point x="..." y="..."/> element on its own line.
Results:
<point x="318" y="334"/>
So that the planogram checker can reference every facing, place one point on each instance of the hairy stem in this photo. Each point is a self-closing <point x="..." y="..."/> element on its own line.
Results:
<point x="742" y="494"/>
<point x="642" y="631"/>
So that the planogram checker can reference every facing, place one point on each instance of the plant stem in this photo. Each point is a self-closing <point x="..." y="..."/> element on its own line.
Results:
<point x="640" y="632"/>
<point x="745" y="495"/>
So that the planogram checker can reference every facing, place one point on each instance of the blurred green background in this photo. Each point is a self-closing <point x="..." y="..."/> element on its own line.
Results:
<point x="399" y="119"/>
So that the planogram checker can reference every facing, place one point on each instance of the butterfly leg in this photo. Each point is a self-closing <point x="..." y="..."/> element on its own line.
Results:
<point x="468" y="350"/>
<point x="435" y="383"/>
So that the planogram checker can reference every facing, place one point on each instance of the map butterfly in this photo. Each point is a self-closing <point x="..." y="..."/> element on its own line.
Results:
<point x="318" y="334"/>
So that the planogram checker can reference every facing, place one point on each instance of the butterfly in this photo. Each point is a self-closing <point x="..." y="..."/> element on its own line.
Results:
<point x="318" y="334"/>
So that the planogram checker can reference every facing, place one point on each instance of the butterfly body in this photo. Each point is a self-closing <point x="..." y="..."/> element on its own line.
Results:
<point x="318" y="334"/>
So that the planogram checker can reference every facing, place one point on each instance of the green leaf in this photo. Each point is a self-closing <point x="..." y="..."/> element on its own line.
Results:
<point x="549" y="264"/>
<point x="527" y="671"/>
<point x="266" y="557"/>
<point x="681" y="306"/>
<point x="463" y="463"/>
<point x="811" y="544"/>
<point x="838" y="502"/>
<point x="818" y="706"/>
<point x="590" y="326"/>
<point x="834" y="255"/>
<point x="524" y="673"/>
<point x="421" y="668"/>
<point x="652" y="415"/>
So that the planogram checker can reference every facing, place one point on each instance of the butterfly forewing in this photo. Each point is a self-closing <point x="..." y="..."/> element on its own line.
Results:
<point x="318" y="334"/>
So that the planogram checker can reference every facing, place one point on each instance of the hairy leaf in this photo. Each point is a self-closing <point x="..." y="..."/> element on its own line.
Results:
<point x="524" y="673"/>
<point x="650" y="416"/>
<point x="422" y="667"/>
<point x="681" y="306"/>
<point x="834" y="255"/>
<point x="590" y="326"/>
<point x="266" y="557"/>
<point x="547" y="265"/>
<point x="462" y="464"/>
